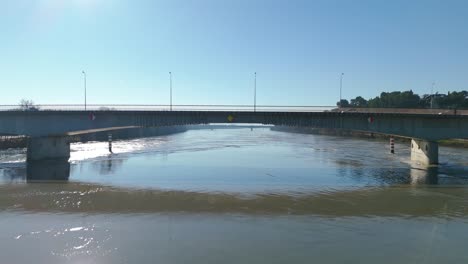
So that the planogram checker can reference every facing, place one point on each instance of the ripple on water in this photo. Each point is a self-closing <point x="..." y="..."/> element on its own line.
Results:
<point x="358" y="202"/>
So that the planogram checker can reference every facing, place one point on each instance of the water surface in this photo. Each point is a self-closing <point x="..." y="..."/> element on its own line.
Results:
<point x="232" y="196"/>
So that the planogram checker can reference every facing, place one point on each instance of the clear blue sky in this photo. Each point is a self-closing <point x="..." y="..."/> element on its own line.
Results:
<point x="213" y="47"/>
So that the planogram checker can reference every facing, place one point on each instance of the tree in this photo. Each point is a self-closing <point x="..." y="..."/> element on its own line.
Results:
<point x="374" y="102"/>
<point x="343" y="103"/>
<point x="452" y="100"/>
<point x="28" y="105"/>
<point x="406" y="99"/>
<point x="358" y="102"/>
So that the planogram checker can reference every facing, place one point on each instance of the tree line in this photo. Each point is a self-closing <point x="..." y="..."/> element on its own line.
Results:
<point x="409" y="99"/>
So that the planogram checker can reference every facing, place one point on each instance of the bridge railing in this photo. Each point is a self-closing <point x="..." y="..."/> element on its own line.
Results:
<point x="433" y="111"/>
<point x="144" y="107"/>
<point x="237" y="108"/>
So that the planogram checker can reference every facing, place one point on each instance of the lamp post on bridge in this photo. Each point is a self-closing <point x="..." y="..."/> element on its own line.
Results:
<point x="341" y="86"/>
<point x="170" y="88"/>
<point x="255" y="92"/>
<point x="84" y="79"/>
<point x="432" y="95"/>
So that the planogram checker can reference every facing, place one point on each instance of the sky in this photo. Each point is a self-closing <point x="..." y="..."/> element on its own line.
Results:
<point x="299" y="48"/>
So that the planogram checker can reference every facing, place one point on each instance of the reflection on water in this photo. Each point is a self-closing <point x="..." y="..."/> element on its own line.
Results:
<point x="48" y="170"/>
<point x="251" y="196"/>
<point x="396" y="201"/>
<point x="59" y="170"/>
<point x="427" y="175"/>
<point x="108" y="166"/>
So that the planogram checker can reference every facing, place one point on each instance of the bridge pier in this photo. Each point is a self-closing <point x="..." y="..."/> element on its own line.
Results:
<point x="48" y="148"/>
<point x="424" y="151"/>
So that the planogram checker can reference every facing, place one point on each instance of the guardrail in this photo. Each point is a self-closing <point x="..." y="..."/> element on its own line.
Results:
<point x="236" y="108"/>
<point x="431" y="111"/>
<point x="143" y="107"/>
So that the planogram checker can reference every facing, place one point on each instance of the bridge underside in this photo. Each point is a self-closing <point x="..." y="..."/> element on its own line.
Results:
<point x="58" y="148"/>
<point x="46" y="123"/>
<point x="46" y="127"/>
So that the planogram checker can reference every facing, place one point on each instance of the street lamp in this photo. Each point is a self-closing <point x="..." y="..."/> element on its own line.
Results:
<point x="432" y="94"/>
<point x="341" y="86"/>
<point x="170" y="87"/>
<point x="255" y="93"/>
<point x="84" y="79"/>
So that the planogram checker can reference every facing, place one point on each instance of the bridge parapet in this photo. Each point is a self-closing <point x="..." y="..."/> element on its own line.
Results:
<point x="46" y="123"/>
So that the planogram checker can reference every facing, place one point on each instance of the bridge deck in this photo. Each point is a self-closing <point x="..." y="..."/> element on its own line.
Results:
<point x="423" y="124"/>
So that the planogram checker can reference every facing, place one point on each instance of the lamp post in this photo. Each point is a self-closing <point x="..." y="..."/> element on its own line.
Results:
<point x="255" y="92"/>
<point x="84" y="79"/>
<point x="341" y="86"/>
<point x="432" y="95"/>
<point x="170" y="87"/>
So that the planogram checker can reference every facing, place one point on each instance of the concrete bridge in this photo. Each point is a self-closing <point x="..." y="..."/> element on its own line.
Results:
<point x="49" y="130"/>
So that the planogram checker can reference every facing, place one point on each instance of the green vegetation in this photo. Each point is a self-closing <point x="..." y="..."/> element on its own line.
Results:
<point x="408" y="99"/>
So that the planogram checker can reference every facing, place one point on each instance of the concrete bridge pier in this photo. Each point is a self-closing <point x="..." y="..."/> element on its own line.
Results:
<point x="424" y="152"/>
<point x="48" y="148"/>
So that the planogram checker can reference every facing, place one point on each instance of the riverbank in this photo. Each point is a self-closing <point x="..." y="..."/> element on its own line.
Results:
<point x="457" y="143"/>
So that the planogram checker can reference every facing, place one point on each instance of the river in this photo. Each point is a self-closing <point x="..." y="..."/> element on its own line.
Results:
<point x="235" y="196"/>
